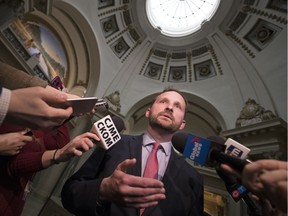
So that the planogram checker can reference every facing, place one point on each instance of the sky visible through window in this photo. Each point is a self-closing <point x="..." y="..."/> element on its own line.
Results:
<point x="177" y="18"/>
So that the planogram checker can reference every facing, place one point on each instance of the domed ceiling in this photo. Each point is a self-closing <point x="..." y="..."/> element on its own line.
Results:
<point x="223" y="62"/>
<point x="189" y="58"/>
<point x="235" y="50"/>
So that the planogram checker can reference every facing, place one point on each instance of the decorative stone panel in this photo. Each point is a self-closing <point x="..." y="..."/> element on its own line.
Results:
<point x="262" y="34"/>
<point x="127" y="18"/>
<point x="278" y="5"/>
<point x="253" y="113"/>
<point x="120" y="47"/>
<point x="160" y="53"/>
<point x="177" y="74"/>
<point x="266" y="139"/>
<point x="178" y="55"/>
<point x="105" y="3"/>
<point x="109" y="25"/>
<point x="204" y="70"/>
<point x="134" y="35"/>
<point x="199" y="51"/>
<point x="153" y="71"/>
<point x="237" y="22"/>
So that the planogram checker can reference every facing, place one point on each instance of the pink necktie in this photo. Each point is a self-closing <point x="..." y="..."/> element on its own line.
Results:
<point x="151" y="168"/>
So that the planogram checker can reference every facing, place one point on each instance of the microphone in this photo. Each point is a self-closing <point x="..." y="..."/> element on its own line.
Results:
<point x="107" y="130"/>
<point x="205" y="152"/>
<point x="236" y="190"/>
<point x="234" y="187"/>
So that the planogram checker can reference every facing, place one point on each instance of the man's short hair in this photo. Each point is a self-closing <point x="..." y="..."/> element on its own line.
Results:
<point x="170" y="88"/>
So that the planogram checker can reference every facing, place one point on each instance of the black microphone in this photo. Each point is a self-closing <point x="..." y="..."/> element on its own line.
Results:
<point x="236" y="190"/>
<point x="233" y="185"/>
<point x="205" y="152"/>
<point x="119" y="123"/>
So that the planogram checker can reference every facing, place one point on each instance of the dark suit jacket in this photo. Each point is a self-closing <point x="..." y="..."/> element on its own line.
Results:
<point x="183" y="184"/>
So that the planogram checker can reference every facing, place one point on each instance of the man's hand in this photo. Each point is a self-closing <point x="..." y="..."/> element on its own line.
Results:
<point x="129" y="190"/>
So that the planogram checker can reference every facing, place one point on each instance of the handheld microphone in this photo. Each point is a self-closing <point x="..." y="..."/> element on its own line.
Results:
<point x="107" y="130"/>
<point x="236" y="190"/>
<point x="205" y="152"/>
<point x="234" y="187"/>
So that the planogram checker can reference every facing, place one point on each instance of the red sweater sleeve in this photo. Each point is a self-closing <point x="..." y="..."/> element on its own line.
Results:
<point x="22" y="164"/>
<point x="29" y="161"/>
<point x="56" y="139"/>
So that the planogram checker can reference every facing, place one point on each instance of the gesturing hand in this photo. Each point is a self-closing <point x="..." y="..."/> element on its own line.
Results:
<point x="129" y="190"/>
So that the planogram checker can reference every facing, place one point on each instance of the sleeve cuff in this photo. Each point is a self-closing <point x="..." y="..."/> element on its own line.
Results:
<point x="4" y="103"/>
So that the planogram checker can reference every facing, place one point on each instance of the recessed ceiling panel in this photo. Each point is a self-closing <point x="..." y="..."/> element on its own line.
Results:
<point x="120" y="47"/>
<point x="153" y="71"/>
<point x="204" y="70"/>
<point x="177" y="74"/>
<point x="104" y="4"/>
<point x="109" y="25"/>
<point x="262" y="34"/>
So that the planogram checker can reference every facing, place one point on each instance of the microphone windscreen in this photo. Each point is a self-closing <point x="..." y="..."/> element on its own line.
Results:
<point x="217" y="139"/>
<point x="119" y="123"/>
<point x="196" y="148"/>
<point x="179" y="141"/>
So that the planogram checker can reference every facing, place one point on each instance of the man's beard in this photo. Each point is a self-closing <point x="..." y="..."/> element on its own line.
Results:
<point x="156" y="123"/>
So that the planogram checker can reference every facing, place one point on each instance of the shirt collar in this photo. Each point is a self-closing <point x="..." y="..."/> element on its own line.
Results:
<point x="147" y="140"/>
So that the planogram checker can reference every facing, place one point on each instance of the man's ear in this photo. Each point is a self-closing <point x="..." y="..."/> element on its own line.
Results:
<point x="182" y="124"/>
<point x="147" y="112"/>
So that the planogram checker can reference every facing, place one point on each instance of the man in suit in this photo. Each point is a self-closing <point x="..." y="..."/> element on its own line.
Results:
<point x="111" y="182"/>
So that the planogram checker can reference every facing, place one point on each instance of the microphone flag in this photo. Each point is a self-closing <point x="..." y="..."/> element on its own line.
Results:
<point x="106" y="131"/>
<point x="197" y="149"/>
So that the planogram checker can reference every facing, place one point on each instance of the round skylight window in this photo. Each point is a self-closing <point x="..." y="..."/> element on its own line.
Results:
<point x="177" y="18"/>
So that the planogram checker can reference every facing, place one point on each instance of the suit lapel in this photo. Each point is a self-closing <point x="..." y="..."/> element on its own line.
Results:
<point x="135" y="147"/>
<point x="171" y="170"/>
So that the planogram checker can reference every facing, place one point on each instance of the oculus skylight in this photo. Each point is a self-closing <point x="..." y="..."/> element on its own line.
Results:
<point x="177" y="18"/>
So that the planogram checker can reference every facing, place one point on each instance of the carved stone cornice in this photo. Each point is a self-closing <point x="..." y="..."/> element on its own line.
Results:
<point x="266" y="139"/>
